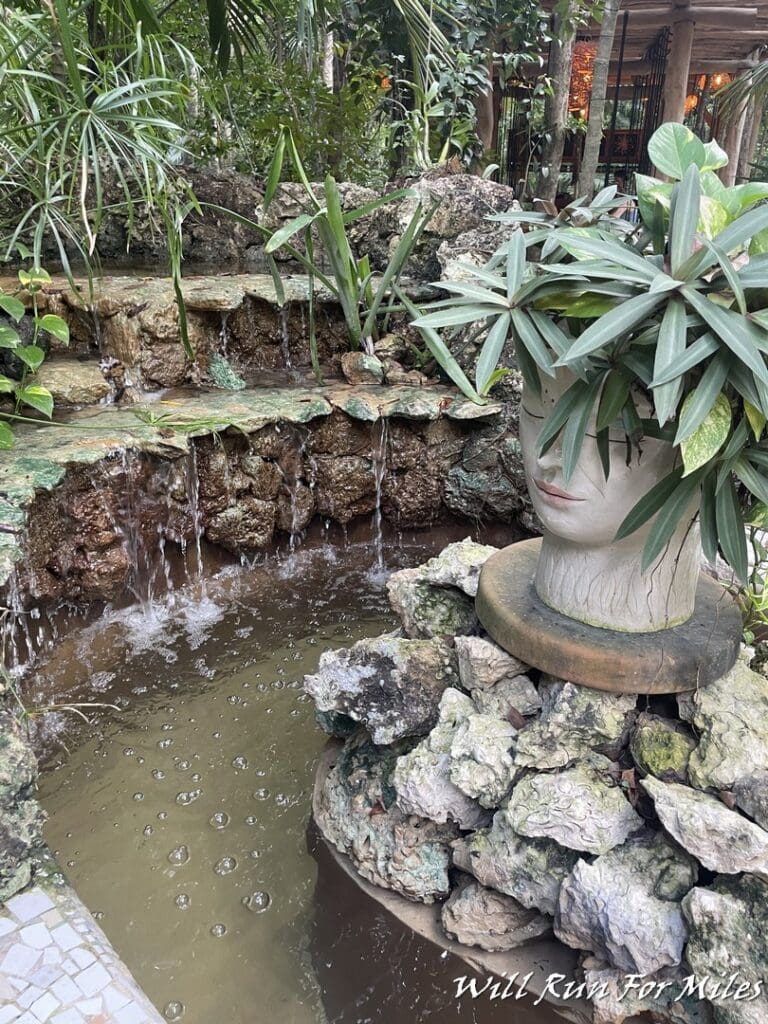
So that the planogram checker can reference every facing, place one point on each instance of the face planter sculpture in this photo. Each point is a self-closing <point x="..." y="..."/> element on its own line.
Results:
<point x="583" y="572"/>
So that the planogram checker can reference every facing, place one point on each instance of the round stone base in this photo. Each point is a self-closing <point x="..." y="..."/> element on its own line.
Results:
<point x="675" y="660"/>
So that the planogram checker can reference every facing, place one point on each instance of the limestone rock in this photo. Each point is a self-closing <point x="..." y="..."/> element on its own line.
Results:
<point x="360" y="368"/>
<point x="74" y="382"/>
<point x="578" y="808"/>
<point x="458" y="565"/>
<point x="662" y="747"/>
<point x="751" y="794"/>
<point x="576" y="720"/>
<point x="483" y="664"/>
<point x="731" y="716"/>
<point x="481" y="762"/>
<point x="358" y="815"/>
<point x="333" y="723"/>
<point x="625" y="907"/>
<point x="427" y="610"/>
<point x="482" y="917"/>
<point x="728" y="945"/>
<point x="512" y="694"/>
<point x="530" y="870"/>
<point x="393" y="686"/>
<point x="614" y="1002"/>
<point x="721" y="839"/>
<point x="473" y="248"/>
<point x="422" y="777"/>
<point x="244" y="527"/>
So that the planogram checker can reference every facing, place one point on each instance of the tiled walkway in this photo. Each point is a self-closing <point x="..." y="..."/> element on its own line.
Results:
<point x="57" y="966"/>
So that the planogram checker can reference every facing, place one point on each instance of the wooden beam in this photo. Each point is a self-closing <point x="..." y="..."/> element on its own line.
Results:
<point x="732" y="17"/>
<point x="678" y="71"/>
<point x="698" y="67"/>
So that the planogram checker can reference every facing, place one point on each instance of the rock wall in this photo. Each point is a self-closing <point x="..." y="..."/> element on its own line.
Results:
<point x="636" y="836"/>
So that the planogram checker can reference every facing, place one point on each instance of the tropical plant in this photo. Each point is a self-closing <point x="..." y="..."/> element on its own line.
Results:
<point x="671" y="310"/>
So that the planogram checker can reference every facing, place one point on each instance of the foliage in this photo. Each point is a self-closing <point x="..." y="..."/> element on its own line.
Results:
<point x="672" y="310"/>
<point x="30" y="355"/>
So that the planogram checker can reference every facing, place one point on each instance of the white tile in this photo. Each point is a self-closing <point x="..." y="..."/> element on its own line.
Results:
<point x="35" y="935"/>
<point x="9" y="1013"/>
<point x="65" y="990"/>
<point x="90" y="1007"/>
<point x="53" y="955"/>
<point x="83" y="957"/>
<point x="65" y="937"/>
<point x="7" y="925"/>
<point x="29" y="905"/>
<point x="7" y="991"/>
<point x="131" y="1014"/>
<point x="114" y="999"/>
<point x="28" y="997"/>
<point x="45" y="1006"/>
<point x="26" y="1018"/>
<point x="92" y="980"/>
<point x="70" y="1016"/>
<point x="18" y="983"/>
<point x="69" y="967"/>
<point x="52" y="918"/>
<point x="45" y="976"/>
<point x="19" y="959"/>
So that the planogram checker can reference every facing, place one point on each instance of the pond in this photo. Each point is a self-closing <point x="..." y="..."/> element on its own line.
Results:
<point x="181" y="815"/>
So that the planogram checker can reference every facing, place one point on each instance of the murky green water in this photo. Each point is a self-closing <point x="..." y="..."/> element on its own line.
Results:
<point x="182" y="817"/>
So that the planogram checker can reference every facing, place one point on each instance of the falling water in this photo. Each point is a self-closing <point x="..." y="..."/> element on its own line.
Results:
<point x="193" y="498"/>
<point x="224" y="334"/>
<point x="380" y="449"/>
<point x="292" y="480"/>
<point x="285" y="337"/>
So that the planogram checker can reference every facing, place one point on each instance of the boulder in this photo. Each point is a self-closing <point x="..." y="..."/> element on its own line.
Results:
<point x="21" y="819"/>
<point x="244" y="527"/>
<point x="662" y="747"/>
<point x="731" y="717"/>
<point x="721" y="839"/>
<point x="625" y="906"/>
<point x="471" y="248"/>
<point x="476" y="916"/>
<point x="579" y="808"/>
<point x="509" y="698"/>
<point x="74" y="382"/>
<point x="728" y="946"/>
<point x="481" y="759"/>
<point x="361" y="368"/>
<point x="575" y="721"/>
<point x="661" y="1000"/>
<point x="426" y="610"/>
<point x="458" y="565"/>
<point x="530" y="870"/>
<point x="751" y="795"/>
<point x="357" y="813"/>
<point x="390" y="684"/>
<point x="483" y="664"/>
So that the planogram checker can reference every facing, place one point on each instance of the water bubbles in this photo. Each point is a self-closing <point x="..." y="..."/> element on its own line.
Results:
<point x="240" y="762"/>
<point x="219" y="820"/>
<point x="195" y="776"/>
<point x="162" y="815"/>
<point x="165" y="743"/>
<point x="257" y="902"/>
<point x="225" y="866"/>
<point x="283" y="800"/>
<point x="261" y="794"/>
<point x="218" y="930"/>
<point x="233" y="699"/>
<point x="251" y="820"/>
<point x="158" y="773"/>
<point x="138" y="796"/>
<point x="174" y="1010"/>
<point x="182" y="901"/>
<point x="188" y="796"/>
<point x="98" y="915"/>
<point x="148" y="831"/>
<point x="166" y="727"/>
<point x="254" y="854"/>
<point x="260" y="772"/>
<point x="179" y="856"/>
<point x="128" y="751"/>
<point x="184" y="766"/>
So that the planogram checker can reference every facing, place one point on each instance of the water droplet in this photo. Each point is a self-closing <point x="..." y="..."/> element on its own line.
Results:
<point x="254" y="854"/>
<point x="98" y="915"/>
<point x="164" y="744"/>
<point x="261" y="772"/>
<point x="282" y="800"/>
<point x="184" y="766"/>
<point x="233" y="699"/>
<point x="218" y="930"/>
<point x="195" y="776"/>
<point x="148" y="830"/>
<point x="158" y="773"/>
<point x="162" y="815"/>
<point x="166" y="727"/>
<point x="179" y="855"/>
<point x="240" y="762"/>
<point x="138" y="796"/>
<point x="187" y="797"/>
<point x="182" y="901"/>
<point x="174" y="1010"/>
<point x="257" y="902"/>
<point x="139" y="760"/>
<point x="251" y="820"/>
<point x="261" y="794"/>
<point x="128" y="751"/>
<point x="219" y="820"/>
<point x="225" y="866"/>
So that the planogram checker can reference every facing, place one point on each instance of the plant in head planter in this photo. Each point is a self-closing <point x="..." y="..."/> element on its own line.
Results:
<point x="645" y="402"/>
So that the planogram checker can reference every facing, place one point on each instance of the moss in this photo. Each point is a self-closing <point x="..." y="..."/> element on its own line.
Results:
<point x="661" y="749"/>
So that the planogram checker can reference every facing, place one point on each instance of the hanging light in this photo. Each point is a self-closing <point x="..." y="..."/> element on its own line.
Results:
<point x="582" y="75"/>
<point x="720" y="79"/>
<point x="691" y="103"/>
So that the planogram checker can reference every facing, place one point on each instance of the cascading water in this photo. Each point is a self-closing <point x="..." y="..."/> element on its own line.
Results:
<point x="285" y="337"/>
<point x="380" y="452"/>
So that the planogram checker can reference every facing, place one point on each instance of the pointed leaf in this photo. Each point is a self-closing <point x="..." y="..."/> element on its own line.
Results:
<point x="12" y="306"/>
<point x="576" y="427"/>
<point x="532" y="341"/>
<point x="7" y="440"/>
<point x="684" y="218"/>
<point x="698" y="403"/>
<point x="730" y="529"/>
<point x="491" y="351"/>
<point x="668" y="519"/>
<point x="612" y="326"/>
<point x="733" y="329"/>
<point x="515" y="263"/>
<point x="650" y="503"/>
<point x="709" y="437"/>
<point x="37" y="397"/>
<point x="56" y="326"/>
<point x="31" y="355"/>
<point x="669" y="349"/>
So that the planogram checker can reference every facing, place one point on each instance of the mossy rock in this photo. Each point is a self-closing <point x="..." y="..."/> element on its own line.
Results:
<point x="662" y="748"/>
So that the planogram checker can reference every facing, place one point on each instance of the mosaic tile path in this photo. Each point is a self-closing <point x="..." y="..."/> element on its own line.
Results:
<point x="57" y="966"/>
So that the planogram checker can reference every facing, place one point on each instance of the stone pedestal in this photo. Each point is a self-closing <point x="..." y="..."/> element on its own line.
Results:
<point x="675" y="660"/>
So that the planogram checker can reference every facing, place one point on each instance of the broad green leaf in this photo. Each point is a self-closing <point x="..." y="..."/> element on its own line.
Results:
<point x="31" y="355"/>
<point x="650" y="192"/>
<point x="759" y="244"/>
<point x="757" y="516"/>
<point x="730" y="239"/>
<point x="287" y="231"/>
<point x="698" y="403"/>
<point x="6" y="385"/>
<point x="588" y="307"/>
<point x="709" y="437"/>
<point x="9" y="338"/>
<point x="715" y="156"/>
<point x="673" y="148"/>
<point x="668" y="519"/>
<point x="756" y="419"/>
<point x="713" y="217"/>
<point x="12" y="306"/>
<point x="650" y="503"/>
<point x="613" y="326"/>
<point x="748" y="194"/>
<point x="37" y="397"/>
<point x="684" y="218"/>
<point x="490" y="353"/>
<point x="7" y="440"/>
<point x="730" y="529"/>
<point x="56" y="326"/>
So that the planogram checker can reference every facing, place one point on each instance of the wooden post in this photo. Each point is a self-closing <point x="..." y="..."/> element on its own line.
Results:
<point x="678" y="70"/>
<point x="591" y="156"/>
<point x="749" y="141"/>
<point x="556" y="110"/>
<point x="733" y="140"/>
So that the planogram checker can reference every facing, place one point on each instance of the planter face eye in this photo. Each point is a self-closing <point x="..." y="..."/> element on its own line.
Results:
<point x="587" y="510"/>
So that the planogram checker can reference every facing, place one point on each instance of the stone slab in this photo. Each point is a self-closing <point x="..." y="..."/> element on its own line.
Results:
<point x="676" y="660"/>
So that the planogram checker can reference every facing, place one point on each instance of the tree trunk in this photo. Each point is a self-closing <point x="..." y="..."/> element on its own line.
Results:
<point x="328" y="61"/>
<point x="585" y="186"/>
<point x="751" y="135"/>
<point x="733" y="140"/>
<point x="556" y="110"/>
<point x="486" y="120"/>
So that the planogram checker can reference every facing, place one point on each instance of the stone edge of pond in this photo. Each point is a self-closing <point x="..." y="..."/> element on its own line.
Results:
<point x="43" y="455"/>
<point x="57" y="964"/>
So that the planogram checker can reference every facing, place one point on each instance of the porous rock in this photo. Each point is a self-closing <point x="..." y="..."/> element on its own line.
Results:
<point x="728" y="945"/>
<point x="21" y="818"/>
<point x="357" y="813"/>
<point x="579" y="808"/>
<point x="664" y="1000"/>
<point x="625" y="906"/>
<point x="721" y="839"/>
<point x="426" y="610"/>
<point x="731" y="717"/>
<point x="662" y="747"/>
<point x="751" y="795"/>
<point x="510" y="695"/>
<point x="390" y="684"/>
<point x="483" y="664"/>
<point x="530" y="870"/>
<point x="476" y="916"/>
<point x="458" y="565"/>
<point x="576" y="721"/>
